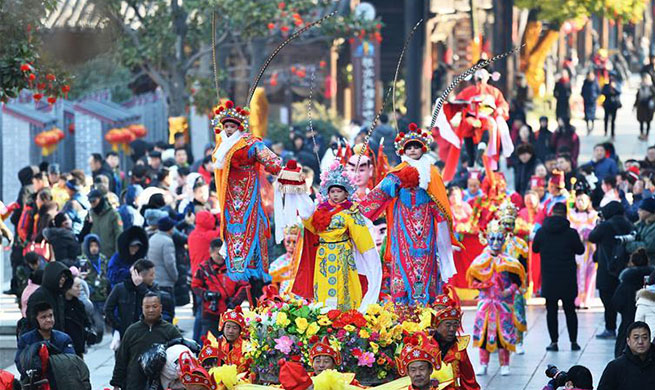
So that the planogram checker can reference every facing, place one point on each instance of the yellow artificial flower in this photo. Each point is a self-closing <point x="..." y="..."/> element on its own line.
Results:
<point x="363" y="333"/>
<point x="282" y="320"/>
<point x="301" y="324"/>
<point x="425" y="319"/>
<point x="324" y="321"/>
<point x="374" y="309"/>
<point x="349" y="328"/>
<point x="410" y="327"/>
<point x="374" y="347"/>
<point x="312" y="329"/>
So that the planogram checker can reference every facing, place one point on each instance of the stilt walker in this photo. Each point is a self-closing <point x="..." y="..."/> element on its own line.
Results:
<point x="498" y="277"/>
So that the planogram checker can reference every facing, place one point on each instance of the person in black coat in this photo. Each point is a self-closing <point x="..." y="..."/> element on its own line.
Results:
<point x="77" y="322"/>
<point x="635" y="369"/>
<point x="614" y="224"/>
<point x="611" y="104"/>
<point x="524" y="167"/>
<point x="562" y="94"/>
<point x="631" y="280"/>
<point x="558" y="244"/>
<point x="64" y="244"/>
<point x="123" y="306"/>
<point x="57" y="279"/>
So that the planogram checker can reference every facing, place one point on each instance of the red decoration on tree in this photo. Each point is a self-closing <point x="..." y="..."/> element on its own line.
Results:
<point x="284" y="29"/>
<point x="40" y="86"/>
<point x="37" y="96"/>
<point x="32" y="77"/>
<point x="322" y="64"/>
<point x="25" y="68"/>
<point x="281" y="5"/>
<point x="271" y="26"/>
<point x="52" y="100"/>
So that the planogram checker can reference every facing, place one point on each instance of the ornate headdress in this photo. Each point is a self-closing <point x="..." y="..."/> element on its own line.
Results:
<point x="336" y="176"/>
<point x="292" y="229"/>
<point x="413" y="134"/>
<point x="449" y="313"/>
<point x="323" y="348"/>
<point x="507" y="212"/>
<point x="291" y="180"/>
<point x="210" y="348"/>
<point x="193" y="373"/>
<point x="557" y="179"/>
<point x="443" y="303"/>
<point x="235" y="316"/>
<point x="494" y="226"/>
<point x="418" y="351"/>
<point x="537" y="181"/>
<point x="228" y="112"/>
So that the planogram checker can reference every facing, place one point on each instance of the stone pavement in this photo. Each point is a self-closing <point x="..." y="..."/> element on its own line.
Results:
<point x="527" y="371"/>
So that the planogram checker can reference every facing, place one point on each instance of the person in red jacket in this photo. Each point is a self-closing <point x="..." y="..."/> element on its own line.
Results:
<point x="200" y="238"/>
<point x="218" y="292"/>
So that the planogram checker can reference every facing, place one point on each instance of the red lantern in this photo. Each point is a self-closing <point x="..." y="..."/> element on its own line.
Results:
<point x="284" y="29"/>
<point x="271" y="26"/>
<point x="139" y="131"/>
<point x="52" y="100"/>
<point x="37" y="96"/>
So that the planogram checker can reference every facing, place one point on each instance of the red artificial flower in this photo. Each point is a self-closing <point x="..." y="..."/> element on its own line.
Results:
<point x="229" y="104"/>
<point x="52" y="99"/>
<point x="50" y="77"/>
<point x="295" y="358"/>
<point x="273" y="82"/>
<point x="32" y="76"/>
<point x="245" y="112"/>
<point x="37" y="96"/>
<point x="284" y="29"/>
<point x="313" y="339"/>
<point x="25" y="68"/>
<point x="412" y="126"/>
<point x="271" y="26"/>
<point x="298" y="22"/>
<point x="330" y="330"/>
<point x="357" y="352"/>
<point x="40" y="86"/>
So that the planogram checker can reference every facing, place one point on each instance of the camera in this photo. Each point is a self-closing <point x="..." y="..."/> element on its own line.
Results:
<point x="212" y="297"/>
<point x="559" y="377"/>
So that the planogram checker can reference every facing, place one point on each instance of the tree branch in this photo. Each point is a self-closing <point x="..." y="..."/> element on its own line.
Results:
<point x="200" y="53"/>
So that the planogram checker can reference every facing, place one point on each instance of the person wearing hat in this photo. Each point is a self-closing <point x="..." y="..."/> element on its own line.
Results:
<point x="419" y="221"/>
<point x="132" y="246"/>
<point x="417" y="360"/>
<point x="583" y="219"/>
<point x="57" y="185"/>
<point x="456" y="371"/>
<point x="77" y="207"/>
<point x="106" y="222"/>
<point x="645" y="229"/>
<point x="239" y="159"/>
<point x="161" y="251"/>
<point x="556" y="192"/>
<point x="231" y="344"/>
<point x="538" y="186"/>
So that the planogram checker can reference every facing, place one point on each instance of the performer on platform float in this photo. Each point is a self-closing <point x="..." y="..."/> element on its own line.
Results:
<point x="418" y="361"/>
<point x="498" y="277"/>
<point x="239" y="161"/>
<point x="229" y="348"/>
<point x="337" y="245"/>
<point x="283" y="268"/>
<point x="419" y="221"/>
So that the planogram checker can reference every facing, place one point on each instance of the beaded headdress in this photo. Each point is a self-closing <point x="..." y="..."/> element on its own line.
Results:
<point x="336" y="176"/>
<point x="228" y="112"/>
<point x="413" y="134"/>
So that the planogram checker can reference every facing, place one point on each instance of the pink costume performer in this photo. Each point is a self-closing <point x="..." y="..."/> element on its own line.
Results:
<point x="583" y="219"/>
<point x="498" y="277"/>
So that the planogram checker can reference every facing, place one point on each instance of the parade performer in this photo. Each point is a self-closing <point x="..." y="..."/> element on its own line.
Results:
<point x="528" y="221"/>
<point x="456" y="371"/>
<point x="239" y="161"/>
<point x="283" y="268"/>
<point x="419" y="221"/>
<point x="370" y="171"/>
<point x="230" y="347"/>
<point x="516" y="248"/>
<point x="337" y="245"/>
<point x="193" y="375"/>
<point x="418" y="359"/>
<point x="498" y="277"/>
<point x="324" y="357"/>
<point x="473" y="189"/>
<point x="485" y="208"/>
<point x="462" y="210"/>
<point x="556" y="193"/>
<point x="484" y="110"/>
<point x="583" y="218"/>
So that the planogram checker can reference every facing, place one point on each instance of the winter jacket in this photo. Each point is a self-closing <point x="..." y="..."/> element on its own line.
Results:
<point x="542" y="144"/>
<point x="645" y="238"/>
<point x="631" y="279"/>
<point x="604" y="168"/>
<point x="77" y="323"/>
<point x="522" y="174"/>
<point x="213" y="277"/>
<point x="64" y="245"/>
<point x="200" y="238"/>
<point x="77" y="207"/>
<point x="51" y="292"/>
<point x="108" y="226"/>
<point x="629" y="372"/>
<point x="96" y="268"/>
<point x="106" y="170"/>
<point x="646" y="306"/>
<point x="562" y="94"/>
<point x="590" y="92"/>
<point x="25" y="296"/>
<point x="645" y="103"/>
<point x="58" y="339"/>
<point x="566" y="139"/>
<point x="161" y="251"/>
<point x="181" y="288"/>
<point x="615" y="223"/>
<point x="558" y="243"/>
<point x="138" y="339"/>
<point x="119" y="264"/>
<point x="123" y="306"/>
<point x="612" y="95"/>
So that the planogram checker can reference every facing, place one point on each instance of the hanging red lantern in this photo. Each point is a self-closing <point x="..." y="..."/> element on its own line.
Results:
<point x="139" y="131"/>
<point x="65" y="89"/>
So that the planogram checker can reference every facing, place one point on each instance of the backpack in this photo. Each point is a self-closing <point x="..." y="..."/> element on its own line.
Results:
<point x="69" y="372"/>
<point x="617" y="259"/>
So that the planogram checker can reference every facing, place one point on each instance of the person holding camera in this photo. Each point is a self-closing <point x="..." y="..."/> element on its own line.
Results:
<point x="577" y="378"/>
<point x="613" y="223"/>
<point x="215" y="289"/>
<point x="635" y="369"/>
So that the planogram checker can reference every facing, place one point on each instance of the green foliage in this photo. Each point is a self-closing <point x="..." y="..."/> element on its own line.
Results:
<point x="102" y="72"/>
<point x="559" y="11"/>
<point x="20" y="21"/>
